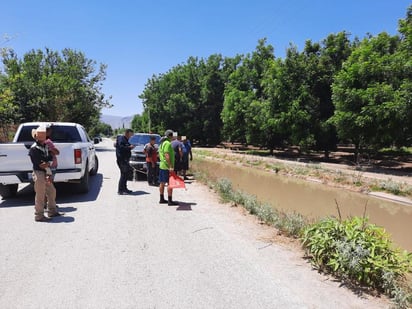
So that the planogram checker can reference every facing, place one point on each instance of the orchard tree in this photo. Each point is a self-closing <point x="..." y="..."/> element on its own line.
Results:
<point x="368" y="95"/>
<point x="323" y="62"/>
<point x="189" y="98"/>
<point x="52" y="86"/>
<point x="140" y="123"/>
<point x="101" y="128"/>
<point x="242" y="115"/>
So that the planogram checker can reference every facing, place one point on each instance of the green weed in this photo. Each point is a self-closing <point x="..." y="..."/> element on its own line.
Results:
<point x="361" y="253"/>
<point x="291" y="224"/>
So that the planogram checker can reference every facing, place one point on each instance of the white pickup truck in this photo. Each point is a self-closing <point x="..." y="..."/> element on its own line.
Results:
<point x="76" y="161"/>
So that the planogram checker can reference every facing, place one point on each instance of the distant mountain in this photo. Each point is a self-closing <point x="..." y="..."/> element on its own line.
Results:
<point x="117" y="122"/>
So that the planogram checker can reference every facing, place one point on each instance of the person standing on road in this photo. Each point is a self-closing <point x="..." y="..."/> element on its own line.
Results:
<point x="187" y="152"/>
<point x="150" y="150"/>
<point x="123" y="154"/>
<point x="177" y="147"/>
<point x="40" y="158"/>
<point x="167" y="160"/>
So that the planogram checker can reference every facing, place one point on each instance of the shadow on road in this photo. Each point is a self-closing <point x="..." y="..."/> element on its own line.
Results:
<point x="66" y="209"/>
<point x="139" y="193"/>
<point x="62" y="219"/>
<point x="66" y="193"/>
<point x="104" y="149"/>
<point x="185" y="206"/>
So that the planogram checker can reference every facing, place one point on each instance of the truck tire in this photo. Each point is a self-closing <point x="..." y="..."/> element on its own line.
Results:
<point x="7" y="191"/>
<point x="94" y="170"/>
<point x="83" y="186"/>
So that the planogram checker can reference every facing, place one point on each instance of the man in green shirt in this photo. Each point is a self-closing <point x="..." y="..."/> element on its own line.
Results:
<point x="167" y="160"/>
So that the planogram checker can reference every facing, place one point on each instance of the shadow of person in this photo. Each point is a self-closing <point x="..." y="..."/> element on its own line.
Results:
<point x="67" y="209"/>
<point x="185" y="206"/>
<point x="138" y="193"/>
<point x="62" y="219"/>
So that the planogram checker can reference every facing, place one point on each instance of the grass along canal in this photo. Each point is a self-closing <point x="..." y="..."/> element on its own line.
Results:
<point x="308" y="196"/>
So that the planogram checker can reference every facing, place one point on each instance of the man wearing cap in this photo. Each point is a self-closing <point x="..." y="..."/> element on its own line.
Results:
<point x="167" y="160"/>
<point x="40" y="157"/>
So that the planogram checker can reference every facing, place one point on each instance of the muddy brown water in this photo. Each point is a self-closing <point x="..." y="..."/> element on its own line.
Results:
<point x="314" y="200"/>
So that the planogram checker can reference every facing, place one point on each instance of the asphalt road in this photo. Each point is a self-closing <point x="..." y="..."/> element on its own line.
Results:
<point x="112" y="251"/>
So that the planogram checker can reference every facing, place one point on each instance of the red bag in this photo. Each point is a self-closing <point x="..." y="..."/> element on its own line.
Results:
<point x="175" y="182"/>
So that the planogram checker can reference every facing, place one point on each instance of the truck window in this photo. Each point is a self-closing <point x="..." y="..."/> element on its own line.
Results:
<point x="60" y="134"/>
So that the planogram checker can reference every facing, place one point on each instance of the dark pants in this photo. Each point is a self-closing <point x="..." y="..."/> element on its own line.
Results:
<point x="152" y="174"/>
<point x="124" y="172"/>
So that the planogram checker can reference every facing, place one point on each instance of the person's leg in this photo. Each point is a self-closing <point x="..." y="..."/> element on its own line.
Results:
<point x="170" y="201"/>
<point x="156" y="175"/>
<point x="124" y="168"/>
<point x="126" y="173"/>
<point x="39" y="178"/>
<point x="185" y="165"/>
<point x="149" y="173"/>
<point x="163" y="178"/>
<point x="51" y="198"/>
<point x="120" y="184"/>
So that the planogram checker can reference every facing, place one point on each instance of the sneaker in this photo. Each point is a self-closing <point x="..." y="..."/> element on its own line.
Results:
<point x="128" y="191"/>
<point x="56" y="214"/>
<point x="42" y="219"/>
<point x="163" y="202"/>
<point x="172" y="203"/>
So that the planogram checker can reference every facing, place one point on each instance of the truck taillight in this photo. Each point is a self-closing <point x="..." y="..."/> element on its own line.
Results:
<point x="77" y="156"/>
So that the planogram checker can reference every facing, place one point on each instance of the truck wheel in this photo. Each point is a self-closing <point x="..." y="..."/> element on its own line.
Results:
<point x="96" y="166"/>
<point x="8" y="190"/>
<point x="83" y="186"/>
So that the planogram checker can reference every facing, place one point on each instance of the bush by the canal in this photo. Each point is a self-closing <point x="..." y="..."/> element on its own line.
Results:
<point x="360" y="253"/>
<point x="290" y="224"/>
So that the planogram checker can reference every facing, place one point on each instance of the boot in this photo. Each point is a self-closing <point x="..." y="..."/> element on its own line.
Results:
<point x="171" y="202"/>
<point x="162" y="199"/>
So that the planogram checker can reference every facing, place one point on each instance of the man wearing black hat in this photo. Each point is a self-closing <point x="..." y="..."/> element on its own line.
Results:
<point x="167" y="160"/>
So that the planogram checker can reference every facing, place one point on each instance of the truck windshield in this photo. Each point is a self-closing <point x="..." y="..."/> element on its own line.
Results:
<point x="60" y="134"/>
<point x="142" y="139"/>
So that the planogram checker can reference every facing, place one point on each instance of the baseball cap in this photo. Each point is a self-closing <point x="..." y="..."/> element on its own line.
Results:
<point x="169" y="132"/>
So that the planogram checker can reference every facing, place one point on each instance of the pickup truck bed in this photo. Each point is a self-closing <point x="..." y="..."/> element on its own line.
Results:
<point x="76" y="161"/>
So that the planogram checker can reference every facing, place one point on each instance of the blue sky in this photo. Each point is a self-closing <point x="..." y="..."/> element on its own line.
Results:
<point x="137" y="39"/>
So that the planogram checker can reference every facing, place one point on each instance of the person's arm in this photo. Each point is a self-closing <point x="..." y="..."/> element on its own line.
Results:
<point x="167" y="151"/>
<point x="37" y="159"/>
<point x="52" y="148"/>
<point x="180" y="152"/>
<point x="124" y="145"/>
<point x="167" y="157"/>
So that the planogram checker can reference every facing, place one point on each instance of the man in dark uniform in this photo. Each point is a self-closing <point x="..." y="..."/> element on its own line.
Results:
<point x="123" y="154"/>
<point x="40" y="157"/>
